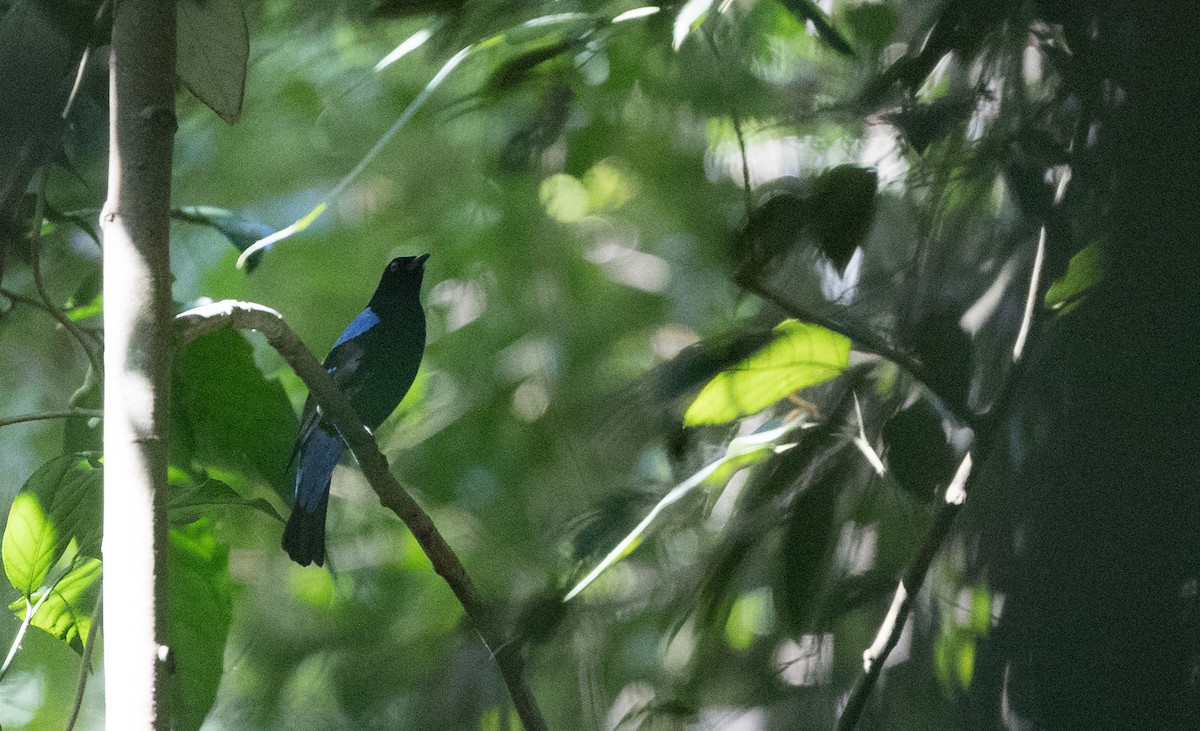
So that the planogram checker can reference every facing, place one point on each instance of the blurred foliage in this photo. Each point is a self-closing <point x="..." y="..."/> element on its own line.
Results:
<point x="591" y="180"/>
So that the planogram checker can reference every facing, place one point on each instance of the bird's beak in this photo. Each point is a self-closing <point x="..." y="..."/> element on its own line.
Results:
<point x="419" y="262"/>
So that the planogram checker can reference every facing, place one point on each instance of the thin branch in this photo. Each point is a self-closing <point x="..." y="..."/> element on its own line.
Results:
<point x="85" y="662"/>
<point x="66" y="414"/>
<point x="35" y="249"/>
<point x="875" y="656"/>
<point x="30" y="611"/>
<point x="747" y="193"/>
<point x="392" y="495"/>
<point x="868" y="340"/>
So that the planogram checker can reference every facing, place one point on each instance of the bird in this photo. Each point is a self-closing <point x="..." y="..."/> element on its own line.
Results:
<point x="374" y="362"/>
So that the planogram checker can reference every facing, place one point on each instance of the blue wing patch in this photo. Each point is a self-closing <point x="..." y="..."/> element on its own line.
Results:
<point x="366" y="320"/>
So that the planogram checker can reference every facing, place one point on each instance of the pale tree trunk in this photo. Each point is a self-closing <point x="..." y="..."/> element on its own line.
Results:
<point x="137" y="363"/>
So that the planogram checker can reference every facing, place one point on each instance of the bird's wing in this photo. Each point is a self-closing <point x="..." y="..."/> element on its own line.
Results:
<point x="341" y="364"/>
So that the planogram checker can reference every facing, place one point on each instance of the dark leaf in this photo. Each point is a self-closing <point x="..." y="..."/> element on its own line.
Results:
<point x="872" y="25"/>
<point x="917" y="452"/>
<point x="945" y="350"/>
<point x="808" y="541"/>
<point x="808" y="10"/>
<point x="191" y="499"/>
<point x="241" y="232"/>
<point x="213" y="49"/>
<point x="85" y="433"/>
<point x="843" y="208"/>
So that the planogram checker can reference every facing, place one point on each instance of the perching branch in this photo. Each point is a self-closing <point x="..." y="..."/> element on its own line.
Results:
<point x="392" y="495"/>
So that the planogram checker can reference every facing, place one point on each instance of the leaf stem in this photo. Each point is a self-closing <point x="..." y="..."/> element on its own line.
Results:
<point x="65" y="414"/>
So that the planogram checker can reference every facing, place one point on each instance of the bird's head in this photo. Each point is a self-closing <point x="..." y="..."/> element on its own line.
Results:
<point x="401" y="282"/>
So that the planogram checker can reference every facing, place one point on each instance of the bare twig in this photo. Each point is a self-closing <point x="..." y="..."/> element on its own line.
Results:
<point x="85" y="662"/>
<point x="62" y="318"/>
<point x="868" y="340"/>
<point x="35" y="248"/>
<point x="875" y="656"/>
<point x="66" y="414"/>
<point x="337" y="408"/>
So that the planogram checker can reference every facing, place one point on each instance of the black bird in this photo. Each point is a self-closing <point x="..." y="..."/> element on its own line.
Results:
<point x="374" y="362"/>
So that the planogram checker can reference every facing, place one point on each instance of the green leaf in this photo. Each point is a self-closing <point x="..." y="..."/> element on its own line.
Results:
<point x="808" y="542"/>
<point x="231" y="415"/>
<point x="954" y="660"/>
<point x="872" y="24"/>
<point x="213" y="47"/>
<point x="190" y="500"/>
<point x="30" y="542"/>
<point x="750" y="617"/>
<point x="917" y="451"/>
<point x="808" y="10"/>
<point x="65" y="612"/>
<point x="1085" y="270"/>
<point x="59" y="503"/>
<point x="241" y="232"/>
<point x="201" y="608"/>
<point x="803" y="355"/>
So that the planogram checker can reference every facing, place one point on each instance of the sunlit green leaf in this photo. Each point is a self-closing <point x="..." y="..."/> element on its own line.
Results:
<point x="59" y="503"/>
<point x="66" y="612"/>
<point x="750" y="617"/>
<point x="1084" y="271"/>
<point x="30" y="543"/>
<point x="803" y="355"/>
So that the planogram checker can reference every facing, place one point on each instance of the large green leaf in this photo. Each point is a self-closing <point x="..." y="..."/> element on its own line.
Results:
<point x="213" y="49"/>
<point x="190" y="499"/>
<point x="802" y="355"/>
<point x="230" y="414"/>
<point x="59" y="503"/>
<point x="65" y="609"/>
<point x="201" y="609"/>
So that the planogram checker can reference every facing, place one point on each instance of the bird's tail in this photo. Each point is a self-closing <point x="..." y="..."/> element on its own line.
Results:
<point x="304" y="535"/>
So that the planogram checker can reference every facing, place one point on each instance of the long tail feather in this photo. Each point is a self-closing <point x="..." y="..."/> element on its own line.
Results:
<point x="304" y="535"/>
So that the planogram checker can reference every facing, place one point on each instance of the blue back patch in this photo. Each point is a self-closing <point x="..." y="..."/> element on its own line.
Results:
<point x="366" y="320"/>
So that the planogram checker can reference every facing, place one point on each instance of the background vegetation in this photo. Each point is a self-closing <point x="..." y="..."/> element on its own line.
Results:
<point x="617" y="212"/>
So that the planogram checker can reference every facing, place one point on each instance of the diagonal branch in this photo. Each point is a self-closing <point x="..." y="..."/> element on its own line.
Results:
<point x="336" y="407"/>
<point x="875" y="656"/>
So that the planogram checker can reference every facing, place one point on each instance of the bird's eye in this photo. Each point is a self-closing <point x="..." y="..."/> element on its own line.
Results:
<point x="394" y="266"/>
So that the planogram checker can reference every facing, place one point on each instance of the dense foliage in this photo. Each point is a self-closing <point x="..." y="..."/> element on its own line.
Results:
<point x="719" y="297"/>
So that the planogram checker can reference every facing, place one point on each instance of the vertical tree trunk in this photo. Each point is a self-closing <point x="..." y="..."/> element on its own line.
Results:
<point x="137" y="362"/>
